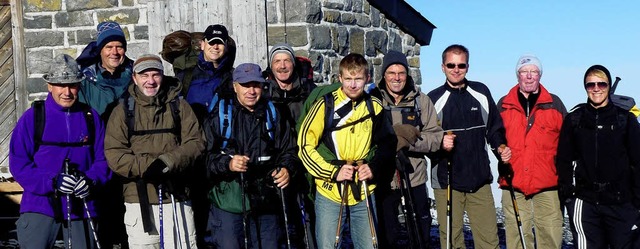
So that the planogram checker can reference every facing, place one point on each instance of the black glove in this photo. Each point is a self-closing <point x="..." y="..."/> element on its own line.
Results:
<point x="566" y="192"/>
<point x="505" y="170"/>
<point x="156" y="172"/>
<point x="65" y="183"/>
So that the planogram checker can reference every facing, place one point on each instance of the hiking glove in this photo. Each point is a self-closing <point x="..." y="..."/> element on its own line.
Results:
<point x="81" y="190"/>
<point x="407" y="135"/>
<point x="408" y="132"/>
<point x="402" y="144"/>
<point x="505" y="170"/>
<point x="156" y="172"/>
<point x="65" y="183"/>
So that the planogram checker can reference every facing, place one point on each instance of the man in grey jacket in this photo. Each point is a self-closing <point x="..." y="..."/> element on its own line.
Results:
<point x="416" y="126"/>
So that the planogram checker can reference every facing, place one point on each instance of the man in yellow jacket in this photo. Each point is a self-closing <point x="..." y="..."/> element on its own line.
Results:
<point x="344" y="140"/>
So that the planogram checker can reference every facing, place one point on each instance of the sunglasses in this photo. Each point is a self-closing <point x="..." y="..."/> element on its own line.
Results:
<point x="592" y="85"/>
<point x="452" y="66"/>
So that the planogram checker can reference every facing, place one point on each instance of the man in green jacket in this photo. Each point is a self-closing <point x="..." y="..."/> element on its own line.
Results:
<point x="152" y="139"/>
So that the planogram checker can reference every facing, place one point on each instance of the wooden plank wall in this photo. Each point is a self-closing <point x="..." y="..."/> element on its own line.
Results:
<point x="7" y="84"/>
<point x="244" y="19"/>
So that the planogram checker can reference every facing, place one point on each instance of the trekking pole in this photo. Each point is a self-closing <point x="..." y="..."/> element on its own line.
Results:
<point x="307" y="241"/>
<point x="160" y="216"/>
<point x="406" y="194"/>
<point x="284" y="213"/>
<point x="66" y="171"/>
<point x="372" y="227"/>
<point x="93" y="228"/>
<point x="244" y="212"/>
<point x="449" y="194"/>
<point x="509" y="179"/>
<point x="345" y="199"/>
<point x="176" y="223"/>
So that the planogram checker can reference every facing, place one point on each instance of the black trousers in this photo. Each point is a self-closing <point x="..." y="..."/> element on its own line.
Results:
<point x="391" y="231"/>
<point x="604" y="226"/>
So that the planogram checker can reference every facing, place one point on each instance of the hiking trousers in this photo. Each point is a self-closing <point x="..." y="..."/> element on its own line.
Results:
<point x="481" y="211"/>
<point x="541" y="213"/>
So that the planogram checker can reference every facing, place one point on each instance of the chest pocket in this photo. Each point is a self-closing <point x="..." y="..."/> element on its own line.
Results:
<point x="410" y="117"/>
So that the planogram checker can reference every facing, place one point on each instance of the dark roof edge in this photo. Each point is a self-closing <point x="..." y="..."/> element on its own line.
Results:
<point x="406" y="18"/>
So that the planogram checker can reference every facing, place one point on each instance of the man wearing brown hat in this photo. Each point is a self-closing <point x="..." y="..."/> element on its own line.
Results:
<point x="153" y="138"/>
<point x="250" y="154"/>
<point x="56" y="155"/>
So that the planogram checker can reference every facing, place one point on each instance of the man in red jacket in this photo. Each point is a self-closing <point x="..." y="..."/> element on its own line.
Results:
<point x="532" y="118"/>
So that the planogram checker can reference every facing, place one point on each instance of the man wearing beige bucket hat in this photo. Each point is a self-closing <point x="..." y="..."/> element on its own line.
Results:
<point x="56" y="155"/>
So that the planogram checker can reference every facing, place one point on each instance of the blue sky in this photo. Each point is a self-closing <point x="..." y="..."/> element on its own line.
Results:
<point x="567" y="36"/>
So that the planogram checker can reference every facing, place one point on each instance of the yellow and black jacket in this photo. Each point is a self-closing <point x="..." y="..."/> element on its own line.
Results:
<point x="358" y="138"/>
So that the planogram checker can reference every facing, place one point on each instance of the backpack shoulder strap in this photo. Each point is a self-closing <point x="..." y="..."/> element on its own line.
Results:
<point x="328" y="110"/>
<point x="39" y="119"/>
<point x="224" y="115"/>
<point x="271" y="118"/>
<point x="128" y="103"/>
<point x="175" y="114"/>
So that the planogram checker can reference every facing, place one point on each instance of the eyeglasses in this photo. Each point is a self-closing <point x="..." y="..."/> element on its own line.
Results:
<point x="592" y="85"/>
<point x="460" y="66"/>
<point x="532" y="72"/>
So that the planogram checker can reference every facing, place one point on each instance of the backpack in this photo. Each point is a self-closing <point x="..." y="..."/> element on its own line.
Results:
<point x="225" y="114"/>
<point x="128" y="103"/>
<point x="40" y="119"/>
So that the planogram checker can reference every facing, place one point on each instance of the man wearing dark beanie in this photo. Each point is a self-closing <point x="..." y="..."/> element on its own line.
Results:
<point x="107" y="75"/>
<point x="288" y="90"/>
<point x="416" y="126"/>
<point x="106" y="68"/>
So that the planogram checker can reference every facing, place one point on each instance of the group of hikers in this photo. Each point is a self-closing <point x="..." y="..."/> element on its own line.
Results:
<point x="224" y="157"/>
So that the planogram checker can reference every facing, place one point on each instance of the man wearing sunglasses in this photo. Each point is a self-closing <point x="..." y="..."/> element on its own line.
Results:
<point x="532" y="118"/>
<point x="467" y="110"/>
<point x="597" y="166"/>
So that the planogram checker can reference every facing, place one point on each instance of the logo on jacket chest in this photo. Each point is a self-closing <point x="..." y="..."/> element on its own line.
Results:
<point x="474" y="108"/>
<point x="327" y="186"/>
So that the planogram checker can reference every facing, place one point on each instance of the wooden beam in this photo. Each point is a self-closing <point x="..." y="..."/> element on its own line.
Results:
<point x="19" y="58"/>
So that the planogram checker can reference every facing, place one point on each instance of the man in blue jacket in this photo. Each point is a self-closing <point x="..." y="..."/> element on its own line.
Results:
<point x="466" y="109"/>
<point x="71" y="139"/>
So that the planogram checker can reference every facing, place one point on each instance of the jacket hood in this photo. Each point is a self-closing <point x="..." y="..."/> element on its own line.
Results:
<point x="597" y="67"/>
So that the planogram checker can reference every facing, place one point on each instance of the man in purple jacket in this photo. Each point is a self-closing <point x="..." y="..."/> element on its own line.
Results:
<point x="57" y="155"/>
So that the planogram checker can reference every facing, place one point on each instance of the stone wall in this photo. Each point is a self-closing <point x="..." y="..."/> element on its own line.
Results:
<point x="328" y="30"/>
<point x="52" y="27"/>
<point x="323" y="30"/>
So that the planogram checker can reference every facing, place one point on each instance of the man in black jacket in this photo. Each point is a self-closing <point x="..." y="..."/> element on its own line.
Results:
<point x="250" y="154"/>
<point x="466" y="109"/>
<point x="597" y="166"/>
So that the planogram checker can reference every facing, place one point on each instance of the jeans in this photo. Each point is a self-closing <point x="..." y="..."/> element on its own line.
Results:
<point x="227" y="230"/>
<point x="327" y="213"/>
